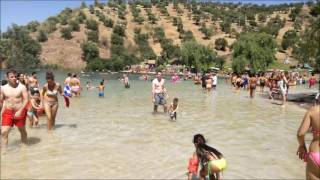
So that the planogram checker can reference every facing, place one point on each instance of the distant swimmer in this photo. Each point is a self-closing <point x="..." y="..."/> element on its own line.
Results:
<point x="13" y="98"/>
<point x="212" y="161"/>
<point x="175" y="78"/>
<point x="101" y="89"/>
<point x="173" y="109"/>
<point x="311" y="121"/>
<point x="159" y="93"/>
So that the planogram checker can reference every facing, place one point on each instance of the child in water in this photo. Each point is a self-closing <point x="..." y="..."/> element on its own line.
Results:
<point x="35" y="104"/>
<point x="101" y="89"/>
<point x="173" y="109"/>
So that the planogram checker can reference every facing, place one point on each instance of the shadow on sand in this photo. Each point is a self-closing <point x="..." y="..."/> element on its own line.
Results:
<point x="30" y="141"/>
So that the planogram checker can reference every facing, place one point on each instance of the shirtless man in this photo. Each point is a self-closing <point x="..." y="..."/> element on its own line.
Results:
<point x="159" y="93"/>
<point x="14" y="98"/>
<point x="33" y="81"/>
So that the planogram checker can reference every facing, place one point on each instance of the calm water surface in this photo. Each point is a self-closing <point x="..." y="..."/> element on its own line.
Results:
<point x="119" y="137"/>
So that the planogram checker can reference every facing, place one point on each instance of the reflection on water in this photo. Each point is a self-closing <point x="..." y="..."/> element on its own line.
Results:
<point x="119" y="137"/>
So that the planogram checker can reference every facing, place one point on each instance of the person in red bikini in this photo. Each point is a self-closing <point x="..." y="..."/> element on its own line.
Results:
<point x="13" y="98"/>
<point x="311" y="121"/>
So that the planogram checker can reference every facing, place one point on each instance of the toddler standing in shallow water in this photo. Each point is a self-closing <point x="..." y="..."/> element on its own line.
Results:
<point x="173" y="109"/>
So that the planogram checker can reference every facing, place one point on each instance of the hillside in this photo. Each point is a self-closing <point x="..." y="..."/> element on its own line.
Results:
<point x="67" y="53"/>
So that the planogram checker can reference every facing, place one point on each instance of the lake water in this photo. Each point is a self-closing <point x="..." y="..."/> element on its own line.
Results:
<point x="118" y="137"/>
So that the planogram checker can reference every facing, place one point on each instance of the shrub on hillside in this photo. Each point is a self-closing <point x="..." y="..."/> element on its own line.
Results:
<point x="174" y="21"/>
<point x="138" y="19"/>
<point x="90" y="51"/>
<point x="225" y="26"/>
<point x="137" y="30"/>
<point x="81" y="17"/>
<point x="289" y="39"/>
<point x="196" y="19"/>
<point x="18" y="49"/>
<point x="152" y="18"/>
<point x="42" y="36"/>
<point x="262" y="17"/>
<point x="116" y="49"/>
<point x="108" y="23"/>
<point x="74" y="25"/>
<point x="92" y="24"/>
<point x="93" y="36"/>
<point x="221" y="44"/>
<point x="188" y="36"/>
<point x="33" y="26"/>
<point x="297" y="24"/>
<point x="116" y="39"/>
<point x="95" y="64"/>
<point x="180" y="27"/>
<point x="64" y="20"/>
<point x="66" y="33"/>
<point x="49" y="27"/>
<point x="117" y="29"/>
<point x="158" y="34"/>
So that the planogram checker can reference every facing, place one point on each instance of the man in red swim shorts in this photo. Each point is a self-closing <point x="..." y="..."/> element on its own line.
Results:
<point x="13" y="98"/>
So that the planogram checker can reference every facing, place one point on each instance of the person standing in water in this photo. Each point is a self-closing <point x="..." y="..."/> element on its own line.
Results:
<point x="125" y="81"/>
<point x="50" y="99"/>
<point x="33" y="81"/>
<point x="262" y="80"/>
<point x="173" y="109"/>
<point x="159" y="93"/>
<point x="101" y="89"/>
<point x="312" y="80"/>
<point x="13" y="98"/>
<point x="208" y="83"/>
<point x="311" y="121"/>
<point x="75" y="85"/>
<point x="252" y="85"/>
<point x="282" y="84"/>
<point x="214" y="81"/>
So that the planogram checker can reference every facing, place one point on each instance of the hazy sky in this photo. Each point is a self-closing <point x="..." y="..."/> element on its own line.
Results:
<point x="23" y="11"/>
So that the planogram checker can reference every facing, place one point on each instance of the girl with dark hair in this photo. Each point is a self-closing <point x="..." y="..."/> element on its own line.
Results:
<point x="211" y="160"/>
<point x="50" y="99"/>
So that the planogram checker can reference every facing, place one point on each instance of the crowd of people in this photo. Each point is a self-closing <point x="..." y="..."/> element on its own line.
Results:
<point x="22" y="98"/>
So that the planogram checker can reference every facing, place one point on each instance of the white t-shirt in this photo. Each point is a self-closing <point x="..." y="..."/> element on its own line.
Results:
<point x="157" y="86"/>
<point x="282" y="86"/>
<point x="214" y="80"/>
